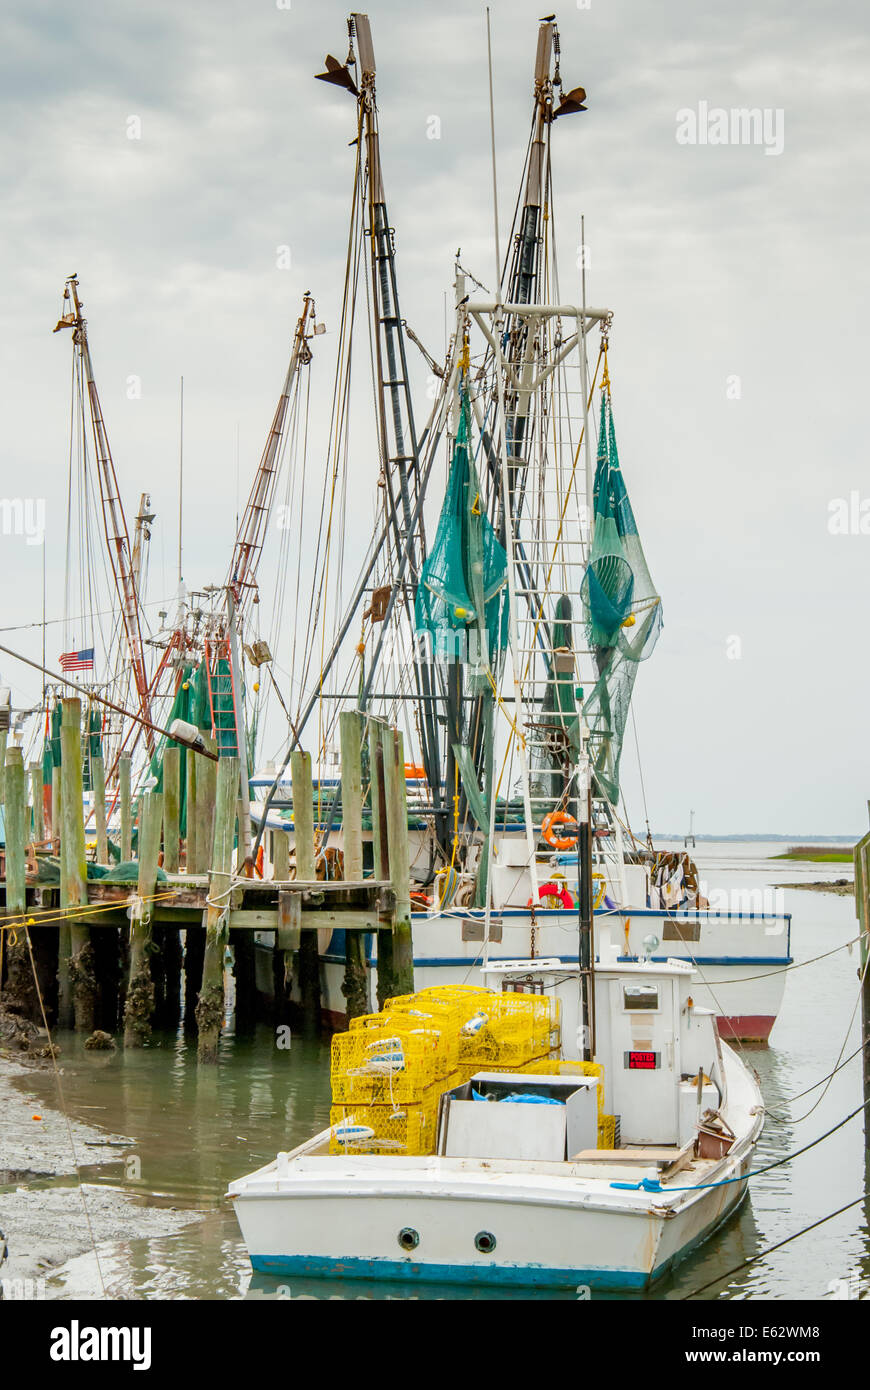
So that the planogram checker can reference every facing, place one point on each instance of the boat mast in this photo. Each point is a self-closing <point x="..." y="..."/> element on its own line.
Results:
<point x="241" y="586"/>
<point x="398" y="441"/>
<point x="115" y="523"/>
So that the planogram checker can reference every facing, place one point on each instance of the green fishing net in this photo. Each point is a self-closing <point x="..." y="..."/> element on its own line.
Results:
<point x="460" y="599"/>
<point x="622" y="611"/>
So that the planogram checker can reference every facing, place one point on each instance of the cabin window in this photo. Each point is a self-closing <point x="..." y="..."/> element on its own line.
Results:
<point x="636" y="997"/>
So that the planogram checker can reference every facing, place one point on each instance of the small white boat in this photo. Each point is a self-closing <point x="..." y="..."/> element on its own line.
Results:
<point x="519" y="1193"/>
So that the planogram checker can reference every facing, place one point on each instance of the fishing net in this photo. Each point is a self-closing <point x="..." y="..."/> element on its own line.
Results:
<point x="622" y="611"/>
<point x="459" y="600"/>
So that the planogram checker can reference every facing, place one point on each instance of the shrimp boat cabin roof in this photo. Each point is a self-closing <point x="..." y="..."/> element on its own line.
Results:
<point x="517" y="1190"/>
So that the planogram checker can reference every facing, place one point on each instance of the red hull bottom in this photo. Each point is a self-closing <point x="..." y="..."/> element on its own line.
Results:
<point x="746" y="1027"/>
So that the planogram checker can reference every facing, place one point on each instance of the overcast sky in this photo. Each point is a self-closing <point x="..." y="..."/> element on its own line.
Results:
<point x="719" y="261"/>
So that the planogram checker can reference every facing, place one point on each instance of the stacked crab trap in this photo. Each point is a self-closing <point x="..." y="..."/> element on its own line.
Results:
<point x="390" y="1070"/>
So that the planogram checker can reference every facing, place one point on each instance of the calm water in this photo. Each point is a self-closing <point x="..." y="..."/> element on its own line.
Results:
<point x="195" y="1129"/>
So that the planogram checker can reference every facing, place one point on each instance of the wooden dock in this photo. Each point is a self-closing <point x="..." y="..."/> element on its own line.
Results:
<point x="111" y="951"/>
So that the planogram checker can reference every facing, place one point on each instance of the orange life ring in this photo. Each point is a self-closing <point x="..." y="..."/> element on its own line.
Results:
<point x="558" y="842"/>
<point x="554" y="890"/>
<point x="259" y="862"/>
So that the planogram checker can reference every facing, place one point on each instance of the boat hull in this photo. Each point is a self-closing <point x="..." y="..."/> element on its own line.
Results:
<point x="587" y="1242"/>
<point x="741" y="958"/>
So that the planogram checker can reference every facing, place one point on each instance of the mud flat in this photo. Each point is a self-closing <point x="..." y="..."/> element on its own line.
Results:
<point x="46" y="1216"/>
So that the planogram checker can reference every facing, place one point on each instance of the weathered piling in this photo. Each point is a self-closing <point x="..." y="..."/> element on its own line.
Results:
<point x="37" y="797"/>
<point x="286" y="939"/>
<point x="204" y="810"/>
<point x="381" y="854"/>
<point x="306" y="870"/>
<point x="74" y="869"/>
<point x="400" y="871"/>
<point x="98" y="784"/>
<point x="20" y="985"/>
<point x="192" y="759"/>
<point x="139" y="1004"/>
<point x="171" y="806"/>
<point x="355" y="986"/>
<point x="126" y="807"/>
<point x="210" y="1005"/>
<point x="194" y="954"/>
<point x="56" y="795"/>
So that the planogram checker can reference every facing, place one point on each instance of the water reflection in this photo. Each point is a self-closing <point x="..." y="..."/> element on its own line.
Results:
<point x="196" y="1128"/>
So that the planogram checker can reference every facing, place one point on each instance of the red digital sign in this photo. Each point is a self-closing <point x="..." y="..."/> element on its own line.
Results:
<point x="642" y="1061"/>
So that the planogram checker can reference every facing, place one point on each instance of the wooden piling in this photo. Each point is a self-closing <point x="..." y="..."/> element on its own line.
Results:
<point x="171" y="806"/>
<point x="20" y="985"/>
<point x="74" y="869"/>
<point x="190" y="829"/>
<point x="98" y="783"/>
<point x="204" y="810"/>
<point x="124" y="763"/>
<point x="210" y="1005"/>
<point x="139" y="1004"/>
<point x="37" y="796"/>
<point x="285" y="948"/>
<point x="4" y="739"/>
<point x="381" y="853"/>
<point x="303" y="825"/>
<point x="355" y="986"/>
<point x="400" y="870"/>
<point x="56" y="797"/>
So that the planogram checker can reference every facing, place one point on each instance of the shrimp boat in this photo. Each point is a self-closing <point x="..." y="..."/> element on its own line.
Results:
<point x="507" y="643"/>
<point x="517" y="1186"/>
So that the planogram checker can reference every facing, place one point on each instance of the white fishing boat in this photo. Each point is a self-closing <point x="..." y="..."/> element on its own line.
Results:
<point x="517" y="1190"/>
<point x="505" y="634"/>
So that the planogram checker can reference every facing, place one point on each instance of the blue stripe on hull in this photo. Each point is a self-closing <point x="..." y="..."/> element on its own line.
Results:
<point x="528" y="1276"/>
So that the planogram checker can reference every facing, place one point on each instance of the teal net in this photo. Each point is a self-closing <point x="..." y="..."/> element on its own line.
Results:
<point x="461" y="599"/>
<point x="622" y="611"/>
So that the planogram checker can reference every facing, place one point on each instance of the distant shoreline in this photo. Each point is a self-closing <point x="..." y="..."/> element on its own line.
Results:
<point x="846" y="841"/>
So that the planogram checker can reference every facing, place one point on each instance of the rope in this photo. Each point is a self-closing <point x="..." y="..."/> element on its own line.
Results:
<point x="62" y="914"/>
<point x="768" y="1167"/>
<point x="72" y="1145"/>
<point x="778" y="1246"/>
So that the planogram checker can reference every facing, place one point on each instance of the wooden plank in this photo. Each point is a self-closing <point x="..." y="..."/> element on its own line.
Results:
<point x="289" y="934"/>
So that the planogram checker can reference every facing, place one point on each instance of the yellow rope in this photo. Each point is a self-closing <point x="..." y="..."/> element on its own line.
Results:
<point x="44" y="919"/>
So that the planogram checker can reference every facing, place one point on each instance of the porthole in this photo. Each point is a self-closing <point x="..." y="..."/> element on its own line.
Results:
<point x="484" y="1241"/>
<point x="409" y="1239"/>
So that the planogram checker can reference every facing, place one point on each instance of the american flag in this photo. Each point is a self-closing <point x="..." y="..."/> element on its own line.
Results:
<point x="78" y="661"/>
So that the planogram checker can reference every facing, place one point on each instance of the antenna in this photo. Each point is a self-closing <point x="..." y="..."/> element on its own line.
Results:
<point x="180" y="477"/>
<point x="492" y="143"/>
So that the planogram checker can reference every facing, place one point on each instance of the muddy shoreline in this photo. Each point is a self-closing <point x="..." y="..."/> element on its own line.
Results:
<point x="842" y="887"/>
<point x="49" y="1210"/>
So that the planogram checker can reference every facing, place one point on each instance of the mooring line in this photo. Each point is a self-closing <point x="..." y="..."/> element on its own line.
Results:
<point x="53" y="1055"/>
<point x="778" y="1246"/>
